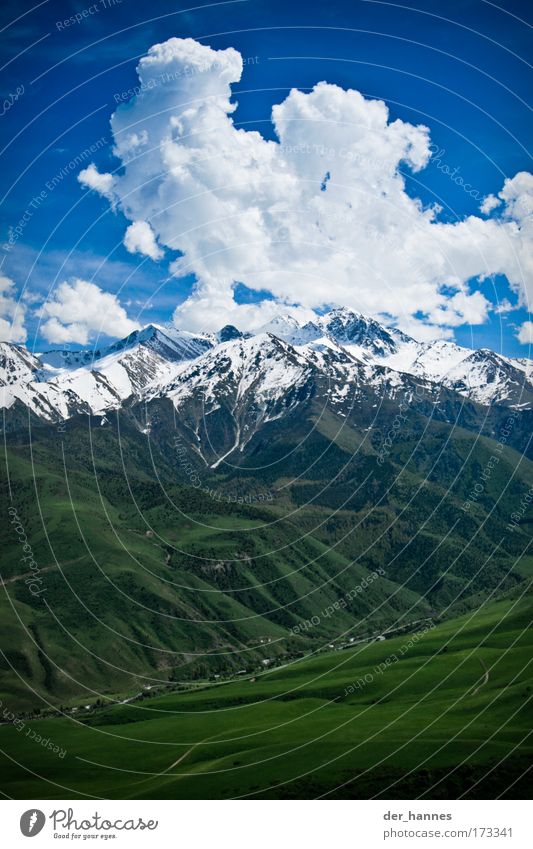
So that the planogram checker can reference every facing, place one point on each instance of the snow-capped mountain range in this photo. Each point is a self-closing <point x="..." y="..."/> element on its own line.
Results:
<point x="265" y="372"/>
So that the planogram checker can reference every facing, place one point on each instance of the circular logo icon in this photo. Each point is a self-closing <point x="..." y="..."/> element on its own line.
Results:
<point x="32" y="822"/>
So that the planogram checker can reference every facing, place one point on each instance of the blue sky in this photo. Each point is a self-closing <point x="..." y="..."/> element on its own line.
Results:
<point x="460" y="68"/>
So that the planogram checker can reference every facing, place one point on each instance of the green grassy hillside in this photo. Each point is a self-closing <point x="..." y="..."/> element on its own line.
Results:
<point x="148" y="578"/>
<point x="433" y="713"/>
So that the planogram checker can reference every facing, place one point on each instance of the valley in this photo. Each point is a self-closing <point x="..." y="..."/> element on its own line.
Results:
<point x="262" y="568"/>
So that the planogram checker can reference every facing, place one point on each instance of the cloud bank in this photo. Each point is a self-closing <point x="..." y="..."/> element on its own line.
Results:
<point x="78" y="310"/>
<point x="12" y="313"/>
<point x="320" y="217"/>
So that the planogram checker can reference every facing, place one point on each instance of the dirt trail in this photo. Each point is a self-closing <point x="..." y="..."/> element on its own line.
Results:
<point x="5" y="581"/>
<point x="181" y="758"/>
<point x="484" y="679"/>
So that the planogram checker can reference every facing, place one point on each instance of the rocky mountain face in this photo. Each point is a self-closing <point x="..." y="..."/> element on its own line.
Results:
<point x="239" y="382"/>
<point x="235" y="485"/>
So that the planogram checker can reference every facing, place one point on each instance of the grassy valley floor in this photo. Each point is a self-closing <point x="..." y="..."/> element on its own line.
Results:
<point x="440" y="713"/>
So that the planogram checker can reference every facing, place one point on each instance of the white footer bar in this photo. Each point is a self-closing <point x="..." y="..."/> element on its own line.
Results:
<point x="267" y="824"/>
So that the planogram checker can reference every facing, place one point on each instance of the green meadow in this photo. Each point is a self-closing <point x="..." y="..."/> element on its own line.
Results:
<point x="434" y="713"/>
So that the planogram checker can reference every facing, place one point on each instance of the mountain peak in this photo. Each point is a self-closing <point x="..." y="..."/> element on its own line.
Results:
<point x="287" y="327"/>
<point x="161" y="359"/>
<point x="352" y="328"/>
<point x="228" y="332"/>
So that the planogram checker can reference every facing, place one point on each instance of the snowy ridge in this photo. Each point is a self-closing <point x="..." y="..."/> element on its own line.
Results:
<point x="243" y="383"/>
<point x="483" y="376"/>
<point x="255" y="378"/>
<point x="58" y="384"/>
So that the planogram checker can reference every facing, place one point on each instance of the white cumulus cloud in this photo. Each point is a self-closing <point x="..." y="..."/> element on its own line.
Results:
<point x="79" y="309"/>
<point x="140" y="238"/>
<point x="12" y="313"/>
<point x="525" y="333"/>
<point x="103" y="184"/>
<point x="319" y="217"/>
<point x="489" y="204"/>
